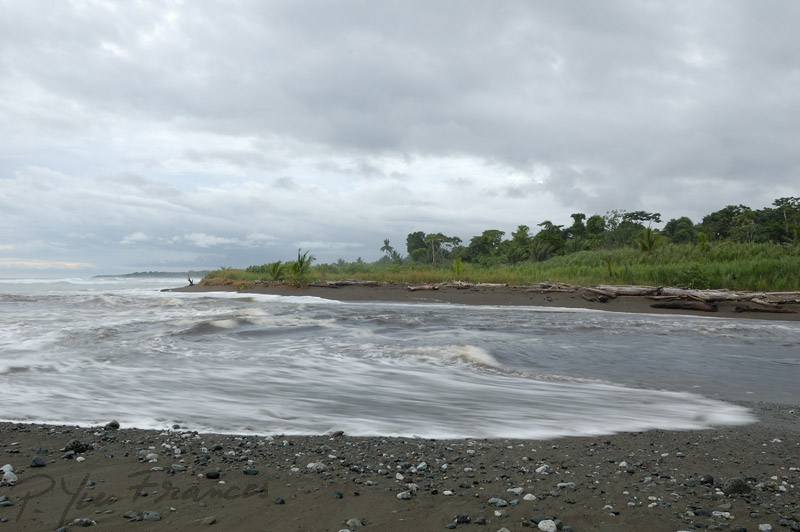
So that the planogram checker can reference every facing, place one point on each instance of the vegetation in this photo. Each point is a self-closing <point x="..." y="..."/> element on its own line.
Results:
<point x="736" y="248"/>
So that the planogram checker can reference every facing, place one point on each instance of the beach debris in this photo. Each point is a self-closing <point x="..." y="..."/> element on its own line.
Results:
<point x="769" y="308"/>
<point x="686" y="305"/>
<point x="414" y="288"/>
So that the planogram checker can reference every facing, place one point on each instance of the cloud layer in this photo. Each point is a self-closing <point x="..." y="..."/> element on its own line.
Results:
<point x="171" y="134"/>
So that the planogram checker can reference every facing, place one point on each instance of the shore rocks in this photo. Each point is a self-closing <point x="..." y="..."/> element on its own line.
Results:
<point x="736" y="486"/>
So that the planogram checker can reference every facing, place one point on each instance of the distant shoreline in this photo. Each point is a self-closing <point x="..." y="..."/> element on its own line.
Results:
<point x="493" y="295"/>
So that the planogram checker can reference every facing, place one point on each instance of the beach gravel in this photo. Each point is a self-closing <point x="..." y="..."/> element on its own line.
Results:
<point x="716" y="479"/>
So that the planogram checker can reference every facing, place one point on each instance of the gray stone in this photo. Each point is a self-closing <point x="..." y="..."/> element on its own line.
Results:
<point x="250" y="471"/>
<point x="353" y="523"/>
<point x="210" y="520"/>
<point x="83" y="521"/>
<point x="76" y="446"/>
<point x="735" y="485"/>
<point x="38" y="461"/>
<point x="498" y="502"/>
<point x="150" y="515"/>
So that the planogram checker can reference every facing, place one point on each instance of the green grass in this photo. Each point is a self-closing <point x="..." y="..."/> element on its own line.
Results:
<point x="758" y="267"/>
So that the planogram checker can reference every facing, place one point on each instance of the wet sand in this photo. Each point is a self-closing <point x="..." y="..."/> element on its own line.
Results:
<point x="494" y="295"/>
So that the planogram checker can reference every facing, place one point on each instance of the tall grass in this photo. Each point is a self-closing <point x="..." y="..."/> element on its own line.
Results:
<point x="750" y="266"/>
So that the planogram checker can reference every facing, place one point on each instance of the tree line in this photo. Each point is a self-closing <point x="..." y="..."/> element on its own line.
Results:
<point x="779" y="223"/>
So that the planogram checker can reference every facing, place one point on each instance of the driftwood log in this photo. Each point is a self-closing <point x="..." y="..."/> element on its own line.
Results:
<point x="686" y="305"/>
<point x="595" y="298"/>
<point x="423" y="287"/>
<point x="747" y="308"/>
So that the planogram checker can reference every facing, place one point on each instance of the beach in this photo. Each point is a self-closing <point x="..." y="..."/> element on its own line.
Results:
<point x="491" y="295"/>
<point x="735" y="477"/>
<point x="655" y="481"/>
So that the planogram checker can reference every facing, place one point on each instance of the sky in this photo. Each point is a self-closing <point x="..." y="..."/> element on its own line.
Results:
<point x="174" y="135"/>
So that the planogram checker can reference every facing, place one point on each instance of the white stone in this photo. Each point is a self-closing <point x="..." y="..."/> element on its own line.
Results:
<point x="548" y="525"/>
<point x="529" y="497"/>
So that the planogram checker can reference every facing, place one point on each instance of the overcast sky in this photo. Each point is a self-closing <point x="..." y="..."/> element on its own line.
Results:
<point x="173" y="134"/>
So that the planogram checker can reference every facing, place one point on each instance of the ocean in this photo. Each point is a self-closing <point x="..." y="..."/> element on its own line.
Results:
<point x="86" y="351"/>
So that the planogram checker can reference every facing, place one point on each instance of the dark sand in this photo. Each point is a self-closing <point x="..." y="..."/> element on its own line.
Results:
<point x="495" y="295"/>
<point x="660" y="486"/>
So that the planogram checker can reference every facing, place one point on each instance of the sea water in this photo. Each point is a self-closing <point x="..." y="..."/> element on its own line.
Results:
<point x="86" y="351"/>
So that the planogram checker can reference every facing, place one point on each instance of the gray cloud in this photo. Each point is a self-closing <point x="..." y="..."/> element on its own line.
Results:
<point x="130" y="124"/>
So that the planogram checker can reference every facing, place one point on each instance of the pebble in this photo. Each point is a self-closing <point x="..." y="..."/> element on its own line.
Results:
<point x="38" y="461"/>
<point x="150" y="515"/>
<point x="498" y="502"/>
<point x="404" y="495"/>
<point x="212" y="475"/>
<point x="735" y="485"/>
<point x="353" y="523"/>
<point x="547" y="525"/>
<point x="210" y="520"/>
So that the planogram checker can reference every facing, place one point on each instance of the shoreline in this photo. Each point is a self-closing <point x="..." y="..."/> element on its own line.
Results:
<point x="491" y="295"/>
<point x="656" y="481"/>
<point x="733" y="478"/>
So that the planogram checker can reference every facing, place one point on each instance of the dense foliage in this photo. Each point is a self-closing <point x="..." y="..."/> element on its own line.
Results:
<point x="735" y="248"/>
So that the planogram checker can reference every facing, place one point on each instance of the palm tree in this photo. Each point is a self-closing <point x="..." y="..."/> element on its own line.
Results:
<point x="387" y="248"/>
<point x="649" y="240"/>
<point x="298" y="270"/>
